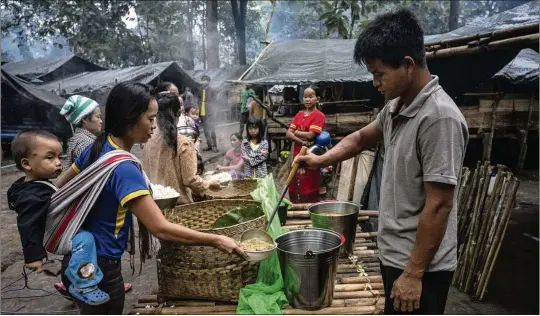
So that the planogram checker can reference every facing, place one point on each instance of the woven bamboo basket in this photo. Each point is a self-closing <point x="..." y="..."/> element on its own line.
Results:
<point x="197" y="272"/>
<point x="237" y="189"/>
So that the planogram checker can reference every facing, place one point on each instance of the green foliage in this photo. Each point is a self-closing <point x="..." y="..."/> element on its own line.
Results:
<point x="97" y="30"/>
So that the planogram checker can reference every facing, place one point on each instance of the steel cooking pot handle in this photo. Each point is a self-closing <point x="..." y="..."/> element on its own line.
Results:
<point x="309" y="255"/>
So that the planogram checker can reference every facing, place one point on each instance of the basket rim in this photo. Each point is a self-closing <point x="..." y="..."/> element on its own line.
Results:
<point x="212" y="230"/>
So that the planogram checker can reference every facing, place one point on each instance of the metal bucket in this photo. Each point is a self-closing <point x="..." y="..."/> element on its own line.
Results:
<point x="308" y="260"/>
<point x="343" y="220"/>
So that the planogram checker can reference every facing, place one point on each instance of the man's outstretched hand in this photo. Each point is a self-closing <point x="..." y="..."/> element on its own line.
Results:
<point x="310" y="160"/>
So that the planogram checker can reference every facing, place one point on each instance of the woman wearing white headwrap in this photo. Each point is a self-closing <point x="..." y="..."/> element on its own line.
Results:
<point x="84" y="115"/>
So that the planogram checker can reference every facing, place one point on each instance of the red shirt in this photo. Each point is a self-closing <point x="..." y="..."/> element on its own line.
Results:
<point x="313" y="122"/>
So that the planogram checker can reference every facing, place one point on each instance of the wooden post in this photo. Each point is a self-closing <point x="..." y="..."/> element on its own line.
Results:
<point x="488" y="139"/>
<point x="524" y="134"/>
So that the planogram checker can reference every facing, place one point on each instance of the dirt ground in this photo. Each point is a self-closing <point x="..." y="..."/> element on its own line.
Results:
<point x="513" y="288"/>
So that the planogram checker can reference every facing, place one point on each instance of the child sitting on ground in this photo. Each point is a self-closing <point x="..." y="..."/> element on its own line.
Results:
<point x="37" y="154"/>
<point x="233" y="162"/>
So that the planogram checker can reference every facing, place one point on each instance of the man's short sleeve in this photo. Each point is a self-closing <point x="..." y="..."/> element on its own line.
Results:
<point x="381" y="117"/>
<point x="442" y="148"/>
<point x="81" y="161"/>
<point x="128" y="182"/>
<point x="318" y="123"/>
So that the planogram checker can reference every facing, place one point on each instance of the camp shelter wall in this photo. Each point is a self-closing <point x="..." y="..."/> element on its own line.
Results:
<point x="96" y="85"/>
<point x="27" y="106"/>
<point x="49" y="69"/>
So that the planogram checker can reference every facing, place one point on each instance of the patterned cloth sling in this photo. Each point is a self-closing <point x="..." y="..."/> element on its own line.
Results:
<point x="71" y="204"/>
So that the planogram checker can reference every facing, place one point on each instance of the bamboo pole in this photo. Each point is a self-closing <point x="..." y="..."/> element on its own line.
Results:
<point x="488" y="268"/>
<point x="333" y="311"/>
<point x="486" y="219"/>
<point x="369" y="244"/>
<point x="357" y="287"/>
<point x="477" y="225"/>
<point x="148" y="299"/>
<point x="186" y="310"/>
<point x="489" y="145"/>
<point x="358" y="294"/>
<point x="493" y="209"/>
<point x="355" y="302"/>
<point x="358" y="248"/>
<point x="359" y="279"/>
<point x="475" y="180"/>
<point x="523" y="142"/>
<point x="470" y="232"/>
<point x="520" y="41"/>
<point x="522" y="30"/>
<point x="305" y="214"/>
<point x="300" y="206"/>
<point x="466" y="228"/>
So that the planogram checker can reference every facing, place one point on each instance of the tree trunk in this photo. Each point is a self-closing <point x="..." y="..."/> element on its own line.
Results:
<point x="454" y="15"/>
<point x="203" y="35"/>
<point x="239" y="8"/>
<point x="212" y="34"/>
<point x="191" y="55"/>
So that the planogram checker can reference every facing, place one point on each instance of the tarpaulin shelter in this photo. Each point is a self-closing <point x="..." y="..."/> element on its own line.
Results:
<point x="49" y="69"/>
<point x="96" y="85"/>
<point x="522" y="70"/>
<point x="331" y="60"/>
<point x="25" y="105"/>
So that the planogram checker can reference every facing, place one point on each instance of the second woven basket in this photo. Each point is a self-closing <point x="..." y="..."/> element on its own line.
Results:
<point x="197" y="272"/>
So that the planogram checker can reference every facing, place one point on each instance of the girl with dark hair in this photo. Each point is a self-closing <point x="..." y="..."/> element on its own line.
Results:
<point x="130" y="113"/>
<point x="255" y="150"/>
<point x="233" y="162"/>
<point x="170" y="158"/>
<point x="305" y="126"/>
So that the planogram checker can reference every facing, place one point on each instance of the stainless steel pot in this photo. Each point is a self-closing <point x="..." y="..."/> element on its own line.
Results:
<point x="308" y="260"/>
<point x="341" y="217"/>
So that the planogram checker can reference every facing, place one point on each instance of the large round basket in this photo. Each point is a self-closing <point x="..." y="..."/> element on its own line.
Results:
<point x="237" y="189"/>
<point x="197" y="272"/>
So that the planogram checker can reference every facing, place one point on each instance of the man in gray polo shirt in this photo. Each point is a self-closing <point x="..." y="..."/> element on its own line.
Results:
<point x="425" y="136"/>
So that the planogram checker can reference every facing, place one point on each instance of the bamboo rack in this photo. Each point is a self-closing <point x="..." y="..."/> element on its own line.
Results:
<point x="358" y="288"/>
<point x="482" y="220"/>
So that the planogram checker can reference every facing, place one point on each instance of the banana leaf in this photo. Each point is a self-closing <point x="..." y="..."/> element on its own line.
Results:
<point x="238" y="215"/>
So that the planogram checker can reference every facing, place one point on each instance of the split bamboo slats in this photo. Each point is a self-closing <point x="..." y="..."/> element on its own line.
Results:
<point x="483" y="214"/>
<point x="358" y="290"/>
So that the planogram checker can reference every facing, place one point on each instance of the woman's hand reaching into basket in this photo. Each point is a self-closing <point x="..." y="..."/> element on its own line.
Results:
<point x="229" y="245"/>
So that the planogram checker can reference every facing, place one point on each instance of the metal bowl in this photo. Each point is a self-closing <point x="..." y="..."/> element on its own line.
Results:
<point x="166" y="204"/>
<point x="256" y="256"/>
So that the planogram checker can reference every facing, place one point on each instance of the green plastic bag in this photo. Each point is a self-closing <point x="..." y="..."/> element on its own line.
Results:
<point x="266" y="295"/>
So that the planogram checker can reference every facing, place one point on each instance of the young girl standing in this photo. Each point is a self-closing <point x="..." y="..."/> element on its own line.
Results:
<point x="233" y="162"/>
<point x="255" y="150"/>
<point x="305" y="126"/>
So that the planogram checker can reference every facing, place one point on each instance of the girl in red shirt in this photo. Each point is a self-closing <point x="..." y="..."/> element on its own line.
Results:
<point x="305" y="126"/>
